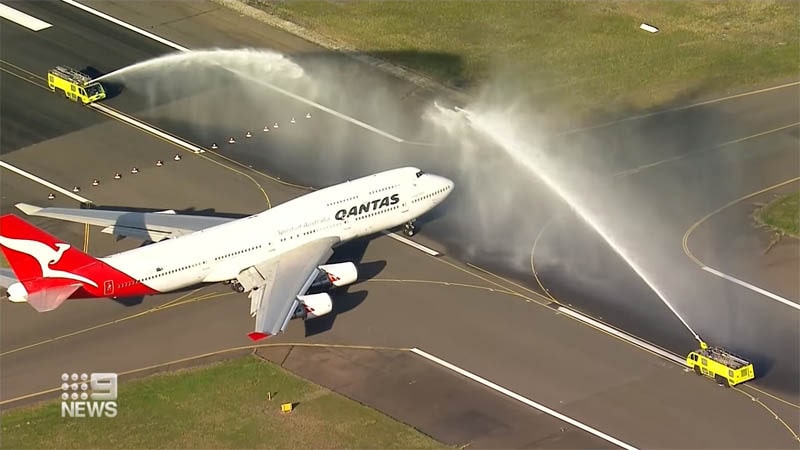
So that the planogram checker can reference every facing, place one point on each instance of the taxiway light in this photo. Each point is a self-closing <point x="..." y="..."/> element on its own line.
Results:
<point x="249" y="134"/>
<point x="177" y="157"/>
<point x="214" y="146"/>
<point x="95" y="182"/>
<point x="292" y="121"/>
<point x="51" y="196"/>
<point x="275" y="125"/>
<point x="308" y="115"/>
<point x="76" y="189"/>
<point x="266" y="128"/>
<point x="231" y="140"/>
<point x="117" y="176"/>
<point x="134" y="170"/>
<point x="159" y="163"/>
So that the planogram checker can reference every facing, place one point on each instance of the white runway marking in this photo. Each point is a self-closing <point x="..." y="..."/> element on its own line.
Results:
<point x="169" y="43"/>
<point x="679" y="108"/>
<point x="692" y="154"/>
<point x="126" y="25"/>
<point x="620" y="334"/>
<point x="522" y="399"/>
<point x="43" y="182"/>
<point x="20" y="18"/>
<point x="147" y="128"/>
<point x="763" y="292"/>
<point x="416" y="245"/>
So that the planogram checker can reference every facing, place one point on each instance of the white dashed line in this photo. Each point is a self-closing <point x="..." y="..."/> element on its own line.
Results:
<point x="522" y="399"/>
<point x="43" y="182"/>
<point x="20" y="18"/>
<point x="147" y="128"/>
<point x="620" y="334"/>
<point x="763" y="292"/>
<point x="416" y="245"/>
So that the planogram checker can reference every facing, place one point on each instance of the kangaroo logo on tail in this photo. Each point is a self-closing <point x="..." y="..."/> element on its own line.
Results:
<point x="45" y="256"/>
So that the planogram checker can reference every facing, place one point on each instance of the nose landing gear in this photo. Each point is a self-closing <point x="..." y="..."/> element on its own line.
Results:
<point x="236" y="286"/>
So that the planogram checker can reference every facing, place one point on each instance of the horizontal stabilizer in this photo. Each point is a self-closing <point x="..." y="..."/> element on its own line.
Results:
<point x="51" y="298"/>
<point x="28" y="209"/>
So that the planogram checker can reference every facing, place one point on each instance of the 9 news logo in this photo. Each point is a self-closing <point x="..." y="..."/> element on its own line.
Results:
<point x="99" y="402"/>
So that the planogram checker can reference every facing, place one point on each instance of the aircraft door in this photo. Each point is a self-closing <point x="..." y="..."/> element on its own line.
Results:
<point x="108" y="287"/>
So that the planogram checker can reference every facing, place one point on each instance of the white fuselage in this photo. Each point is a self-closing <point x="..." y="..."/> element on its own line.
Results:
<point x="348" y="210"/>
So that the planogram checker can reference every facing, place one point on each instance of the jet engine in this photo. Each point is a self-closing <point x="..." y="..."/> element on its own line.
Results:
<point x="313" y="305"/>
<point x="334" y="275"/>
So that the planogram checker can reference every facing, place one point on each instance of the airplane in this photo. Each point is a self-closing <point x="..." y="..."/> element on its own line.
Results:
<point x="277" y="256"/>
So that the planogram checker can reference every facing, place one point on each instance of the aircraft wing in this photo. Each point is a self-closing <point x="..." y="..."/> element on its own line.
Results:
<point x="276" y="283"/>
<point x="154" y="226"/>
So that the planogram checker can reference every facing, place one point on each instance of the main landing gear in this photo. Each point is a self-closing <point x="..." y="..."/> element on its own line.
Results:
<point x="410" y="229"/>
<point x="235" y="285"/>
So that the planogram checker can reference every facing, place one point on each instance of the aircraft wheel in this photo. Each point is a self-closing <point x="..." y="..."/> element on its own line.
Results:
<point x="409" y="229"/>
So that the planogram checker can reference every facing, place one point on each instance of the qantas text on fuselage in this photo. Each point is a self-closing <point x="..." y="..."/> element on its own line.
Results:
<point x="368" y="206"/>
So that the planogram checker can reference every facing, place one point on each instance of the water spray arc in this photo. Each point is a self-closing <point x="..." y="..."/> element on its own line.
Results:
<point x="497" y="129"/>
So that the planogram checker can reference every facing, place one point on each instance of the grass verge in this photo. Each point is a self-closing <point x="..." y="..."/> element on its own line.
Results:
<point x="782" y="214"/>
<point x="579" y="57"/>
<point x="220" y="406"/>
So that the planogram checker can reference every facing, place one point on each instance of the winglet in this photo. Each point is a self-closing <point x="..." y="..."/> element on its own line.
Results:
<point x="257" y="336"/>
<point x="28" y="209"/>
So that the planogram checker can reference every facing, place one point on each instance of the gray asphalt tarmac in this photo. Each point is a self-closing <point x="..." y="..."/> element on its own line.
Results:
<point x="727" y="240"/>
<point x="513" y="342"/>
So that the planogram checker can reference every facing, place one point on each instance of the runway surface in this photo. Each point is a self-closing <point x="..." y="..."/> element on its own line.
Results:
<point x="566" y="365"/>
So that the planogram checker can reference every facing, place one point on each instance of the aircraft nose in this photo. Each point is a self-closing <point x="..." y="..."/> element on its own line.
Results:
<point x="447" y="183"/>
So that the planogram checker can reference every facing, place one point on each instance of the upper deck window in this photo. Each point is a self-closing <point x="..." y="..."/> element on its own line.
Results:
<point x="420" y="173"/>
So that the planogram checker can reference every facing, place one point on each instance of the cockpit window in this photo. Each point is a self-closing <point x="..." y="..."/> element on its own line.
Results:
<point x="420" y="173"/>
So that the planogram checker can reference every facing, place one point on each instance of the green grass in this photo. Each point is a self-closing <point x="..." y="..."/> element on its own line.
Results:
<point x="578" y="57"/>
<point x="782" y="214"/>
<point x="3" y="262"/>
<point x="220" y="406"/>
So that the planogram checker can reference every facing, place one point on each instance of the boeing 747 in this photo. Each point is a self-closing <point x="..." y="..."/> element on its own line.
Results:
<point x="276" y="256"/>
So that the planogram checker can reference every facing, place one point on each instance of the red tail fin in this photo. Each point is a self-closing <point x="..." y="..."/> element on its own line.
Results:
<point x="32" y="252"/>
<point x="51" y="271"/>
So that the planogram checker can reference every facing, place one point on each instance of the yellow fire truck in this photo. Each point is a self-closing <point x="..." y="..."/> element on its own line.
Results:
<point x="76" y="85"/>
<point x="724" y="367"/>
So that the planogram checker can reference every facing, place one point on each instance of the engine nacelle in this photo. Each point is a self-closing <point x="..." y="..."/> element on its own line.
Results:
<point x="334" y="275"/>
<point x="313" y="305"/>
